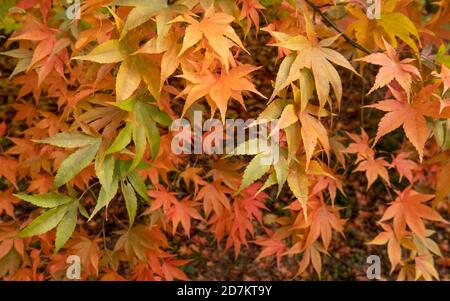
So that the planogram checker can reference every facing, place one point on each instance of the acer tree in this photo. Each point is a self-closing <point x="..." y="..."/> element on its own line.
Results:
<point x="87" y="166"/>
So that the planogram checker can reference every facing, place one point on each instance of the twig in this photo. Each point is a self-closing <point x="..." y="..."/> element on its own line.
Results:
<point x="388" y="191"/>
<point x="87" y="190"/>
<point x="363" y="94"/>
<point x="328" y="4"/>
<point x="330" y="22"/>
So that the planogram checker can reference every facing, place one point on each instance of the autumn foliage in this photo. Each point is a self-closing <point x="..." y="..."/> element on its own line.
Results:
<point x="86" y="165"/>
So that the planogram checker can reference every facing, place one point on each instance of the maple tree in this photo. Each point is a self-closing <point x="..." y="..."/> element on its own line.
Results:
<point x="89" y="142"/>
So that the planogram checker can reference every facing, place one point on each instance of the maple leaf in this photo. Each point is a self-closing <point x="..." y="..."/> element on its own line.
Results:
<point x="327" y="182"/>
<point x="402" y="113"/>
<point x="255" y="169"/>
<point x="315" y="56"/>
<point x="425" y="268"/>
<point x="7" y="201"/>
<point x="299" y="184"/>
<point x="172" y="271"/>
<point x="253" y="202"/>
<point x="133" y="68"/>
<point x="25" y="111"/>
<point x="49" y="54"/>
<point x="29" y="85"/>
<point x="360" y="146"/>
<point x="390" y="26"/>
<point x="38" y="32"/>
<point x="238" y="222"/>
<point x="437" y="23"/>
<point x="9" y="240"/>
<point x="41" y="183"/>
<point x="374" y="167"/>
<point x="216" y="28"/>
<point x="137" y="241"/>
<point x="111" y="275"/>
<point x="24" y="56"/>
<point x="182" y="212"/>
<point x="5" y="246"/>
<point x="142" y="12"/>
<point x="271" y="246"/>
<point x="404" y="166"/>
<point x="408" y="209"/>
<point x="214" y="197"/>
<point x="218" y="90"/>
<point x="250" y="10"/>
<point x="444" y="77"/>
<point x="239" y="225"/>
<point x="8" y="169"/>
<point x="170" y="48"/>
<point x="311" y="255"/>
<point x="191" y="174"/>
<point x="393" y="248"/>
<point x="163" y="198"/>
<point x="88" y="251"/>
<point x="143" y="272"/>
<point x="322" y="219"/>
<point x="226" y="171"/>
<point x="104" y="118"/>
<point x="311" y="130"/>
<point x="392" y="68"/>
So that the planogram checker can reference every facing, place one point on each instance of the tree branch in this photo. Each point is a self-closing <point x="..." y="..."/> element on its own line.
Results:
<point x="330" y="22"/>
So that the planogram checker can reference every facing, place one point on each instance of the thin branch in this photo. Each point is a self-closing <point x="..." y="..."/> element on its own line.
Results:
<point x="87" y="190"/>
<point x="329" y="4"/>
<point x="363" y="94"/>
<point x="331" y="23"/>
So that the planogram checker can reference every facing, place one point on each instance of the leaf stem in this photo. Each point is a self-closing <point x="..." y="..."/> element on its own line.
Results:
<point x="87" y="190"/>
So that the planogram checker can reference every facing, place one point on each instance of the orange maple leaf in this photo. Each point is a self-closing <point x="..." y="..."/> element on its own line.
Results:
<point x="392" y="68"/>
<point x="41" y="184"/>
<point x="444" y="77"/>
<point x="226" y="171"/>
<point x="408" y="209"/>
<point x="137" y="242"/>
<point x="250" y="11"/>
<point x="271" y="246"/>
<point x="8" y="169"/>
<point x="322" y="219"/>
<point x="163" y="198"/>
<point x="404" y="166"/>
<point x="7" y="201"/>
<point x="182" y="212"/>
<point x="191" y="174"/>
<point x="215" y="28"/>
<point x="402" y="113"/>
<point x="374" y="167"/>
<point x="88" y="251"/>
<point x="171" y="271"/>
<point x="425" y="268"/>
<point x="25" y="111"/>
<point x="393" y="247"/>
<point x="218" y="90"/>
<point x="214" y="197"/>
<point x="360" y="146"/>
